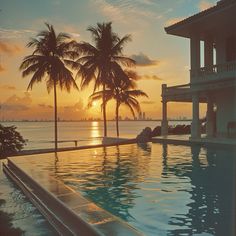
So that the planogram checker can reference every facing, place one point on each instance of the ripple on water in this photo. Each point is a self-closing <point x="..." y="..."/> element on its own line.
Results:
<point x="159" y="189"/>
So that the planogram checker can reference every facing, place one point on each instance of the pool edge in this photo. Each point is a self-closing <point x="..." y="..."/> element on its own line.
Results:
<point x="41" y="198"/>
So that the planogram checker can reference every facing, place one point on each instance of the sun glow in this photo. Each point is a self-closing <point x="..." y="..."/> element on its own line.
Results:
<point x="95" y="132"/>
<point x="94" y="103"/>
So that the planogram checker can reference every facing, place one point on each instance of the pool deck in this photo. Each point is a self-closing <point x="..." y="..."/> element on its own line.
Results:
<point x="67" y="210"/>
<point x="170" y="139"/>
<point x="186" y="140"/>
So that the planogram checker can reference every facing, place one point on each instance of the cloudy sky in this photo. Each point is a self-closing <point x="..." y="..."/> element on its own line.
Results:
<point x="161" y="58"/>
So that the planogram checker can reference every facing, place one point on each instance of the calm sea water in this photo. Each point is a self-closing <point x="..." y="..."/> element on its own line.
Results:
<point x="41" y="134"/>
<point x="162" y="190"/>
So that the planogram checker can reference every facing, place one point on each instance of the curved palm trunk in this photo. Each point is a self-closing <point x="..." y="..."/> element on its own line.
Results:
<point x="55" y="113"/>
<point x="104" y="112"/>
<point x="117" y="118"/>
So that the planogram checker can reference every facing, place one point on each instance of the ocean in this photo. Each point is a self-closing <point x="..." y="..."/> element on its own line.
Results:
<point x="40" y="135"/>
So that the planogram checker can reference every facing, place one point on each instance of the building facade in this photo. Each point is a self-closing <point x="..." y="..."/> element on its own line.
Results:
<point x="212" y="35"/>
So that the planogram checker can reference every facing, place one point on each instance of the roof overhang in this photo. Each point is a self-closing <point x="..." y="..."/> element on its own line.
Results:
<point x="207" y="23"/>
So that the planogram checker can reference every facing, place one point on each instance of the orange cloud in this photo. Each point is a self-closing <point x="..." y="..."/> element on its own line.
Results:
<point x="42" y="105"/>
<point x="173" y="21"/>
<point x="203" y="5"/>
<point x="76" y="111"/>
<point x="7" y="87"/>
<point x="16" y="103"/>
<point x="9" y="48"/>
<point x="2" y="68"/>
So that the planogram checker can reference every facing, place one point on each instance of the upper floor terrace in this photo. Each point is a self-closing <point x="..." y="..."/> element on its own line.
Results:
<point x="212" y="42"/>
<point x="212" y="52"/>
<point x="214" y="72"/>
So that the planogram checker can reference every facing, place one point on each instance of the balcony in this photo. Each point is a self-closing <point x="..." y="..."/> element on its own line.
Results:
<point x="215" y="72"/>
<point x="177" y="93"/>
<point x="180" y="89"/>
<point x="216" y="77"/>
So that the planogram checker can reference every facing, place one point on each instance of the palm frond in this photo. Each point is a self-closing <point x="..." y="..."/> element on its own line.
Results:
<point x="118" y="48"/>
<point x="52" y="54"/>
<point x="37" y="77"/>
<point x="124" y="61"/>
<point x="136" y="93"/>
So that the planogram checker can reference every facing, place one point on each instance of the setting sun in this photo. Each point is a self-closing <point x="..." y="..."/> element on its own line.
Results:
<point x="94" y="104"/>
<point x="118" y="117"/>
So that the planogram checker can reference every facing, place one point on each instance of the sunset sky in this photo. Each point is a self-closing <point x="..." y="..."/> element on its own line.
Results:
<point x="161" y="58"/>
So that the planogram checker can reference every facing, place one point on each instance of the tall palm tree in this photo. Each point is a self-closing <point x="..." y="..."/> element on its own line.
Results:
<point x="123" y="92"/>
<point x="99" y="61"/>
<point x="52" y="55"/>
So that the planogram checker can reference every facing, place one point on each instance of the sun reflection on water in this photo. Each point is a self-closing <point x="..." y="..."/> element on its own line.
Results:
<point x="95" y="132"/>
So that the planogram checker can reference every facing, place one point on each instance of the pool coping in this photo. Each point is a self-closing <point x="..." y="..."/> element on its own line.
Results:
<point x="110" y="141"/>
<point x="113" y="141"/>
<point x="187" y="141"/>
<point x="91" y="219"/>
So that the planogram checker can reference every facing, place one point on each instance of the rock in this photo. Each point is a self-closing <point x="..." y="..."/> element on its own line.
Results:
<point x="145" y="135"/>
<point x="180" y="129"/>
<point x="156" y="131"/>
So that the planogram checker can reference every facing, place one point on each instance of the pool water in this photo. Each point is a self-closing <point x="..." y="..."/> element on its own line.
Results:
<point x="17" y="215"/>
<point x="159" y="189"/>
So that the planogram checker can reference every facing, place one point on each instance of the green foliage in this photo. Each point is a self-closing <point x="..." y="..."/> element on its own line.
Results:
<point x="11" y="141"/>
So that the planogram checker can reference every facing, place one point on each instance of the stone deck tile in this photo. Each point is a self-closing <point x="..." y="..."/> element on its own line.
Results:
<point x="73" y="200"/>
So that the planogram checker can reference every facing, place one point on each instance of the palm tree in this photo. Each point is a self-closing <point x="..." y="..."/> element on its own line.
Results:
<point x="52" y="55"/>
<point x="123" y="92"/>
<point x="99" y="61"/>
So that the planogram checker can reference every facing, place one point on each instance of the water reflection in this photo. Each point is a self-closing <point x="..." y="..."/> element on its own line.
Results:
<point x="212" y="206"/>
<point x="111" y="180"/>
<point x="145" y="146"/>
<point x="95" y="132"/>
<point x="160" y="189"/>
<point x="117" y="184"/>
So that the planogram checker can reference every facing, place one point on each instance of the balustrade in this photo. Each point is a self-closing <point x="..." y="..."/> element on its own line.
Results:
<point x="214" y="70"/>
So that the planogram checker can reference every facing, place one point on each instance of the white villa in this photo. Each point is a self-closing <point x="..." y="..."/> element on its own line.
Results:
<point x="215" y="83"/>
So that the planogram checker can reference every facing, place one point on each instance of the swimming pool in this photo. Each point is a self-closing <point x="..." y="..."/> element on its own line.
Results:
<point x="17" y="215"/>
<point x="159" y="189"/>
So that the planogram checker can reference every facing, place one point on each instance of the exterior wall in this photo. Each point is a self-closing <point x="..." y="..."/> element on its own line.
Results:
<point x="219" y="68"/>
<point x="221" y="49"/>
<point x="226" y="110"/>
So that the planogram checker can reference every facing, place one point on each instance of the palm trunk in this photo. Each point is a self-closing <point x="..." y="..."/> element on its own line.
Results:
<point x="55" y="113"/>
<point x="104" y="112"/>
<point x="117" y="118"/>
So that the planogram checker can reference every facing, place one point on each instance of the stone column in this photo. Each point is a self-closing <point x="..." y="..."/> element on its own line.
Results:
<point x="164" y="122"/>
<point x="210" y="118"/>
<point x="195" y="56"/>
<point x="208" y="54"/>
<point x="195" y="126"/>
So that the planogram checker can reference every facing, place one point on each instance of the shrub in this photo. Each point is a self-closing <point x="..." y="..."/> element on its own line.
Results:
<point x="11" y="141"/>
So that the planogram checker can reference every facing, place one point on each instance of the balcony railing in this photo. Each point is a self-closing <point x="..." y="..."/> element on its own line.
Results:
<point x="179" y="89"/>
<point x="215" y="70"/>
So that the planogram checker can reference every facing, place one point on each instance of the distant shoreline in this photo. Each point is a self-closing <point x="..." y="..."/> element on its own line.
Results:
<point x="159" y="120"/>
